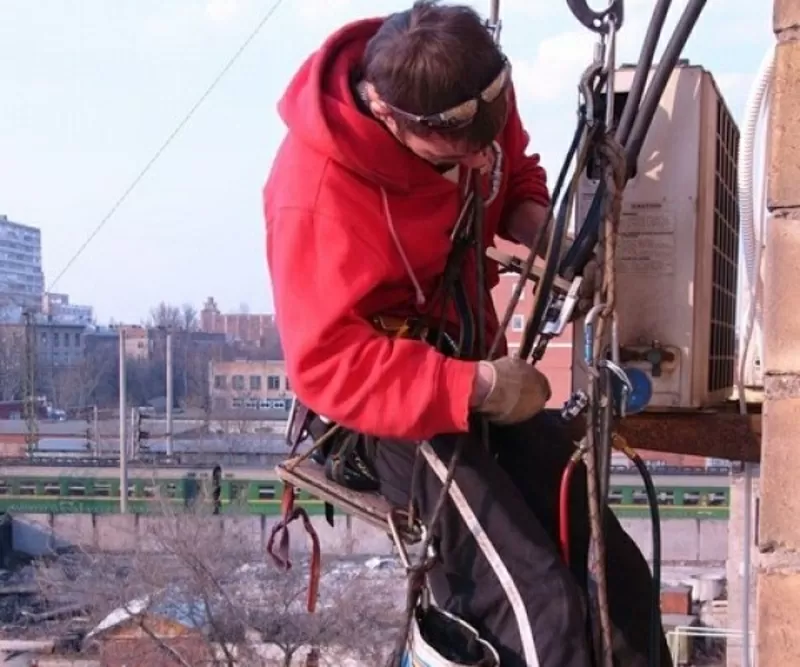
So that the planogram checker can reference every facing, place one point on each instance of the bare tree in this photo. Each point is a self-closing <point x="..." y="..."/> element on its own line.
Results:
<point x="12" y="361"/>
<point x="190" y="319"/>
<point x="86" y="383"/>
<point x="237" y="610"/>
<point x="166" y="316"/>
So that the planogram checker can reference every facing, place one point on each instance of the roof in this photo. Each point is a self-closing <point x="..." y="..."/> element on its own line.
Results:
<point x="169" y="604"/>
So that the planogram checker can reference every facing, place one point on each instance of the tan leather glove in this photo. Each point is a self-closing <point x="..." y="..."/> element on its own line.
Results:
<point x="517" y="392"/>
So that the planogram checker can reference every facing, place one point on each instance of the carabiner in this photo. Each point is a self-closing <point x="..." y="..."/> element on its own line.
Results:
<point x="627" y="386"/>
<point x="598" y="22"/>
<point x="585" y="88"/>
<point x="397" y="537"/>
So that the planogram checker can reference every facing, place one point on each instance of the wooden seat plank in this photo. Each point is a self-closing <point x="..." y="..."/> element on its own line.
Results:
<point x="367" y="506"/>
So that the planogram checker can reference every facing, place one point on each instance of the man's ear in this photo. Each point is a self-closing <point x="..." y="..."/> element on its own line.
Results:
<point x="376" y="105"/>
<point x="379" y="108"/>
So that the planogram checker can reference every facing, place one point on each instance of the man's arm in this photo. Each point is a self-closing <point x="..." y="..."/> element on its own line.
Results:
<point x="527" y="198"/>
<point x="526" y="225"/>
<point x="341" y="366"/>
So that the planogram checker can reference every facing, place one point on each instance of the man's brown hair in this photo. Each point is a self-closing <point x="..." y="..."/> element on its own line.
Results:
<point x="433" y="57"/>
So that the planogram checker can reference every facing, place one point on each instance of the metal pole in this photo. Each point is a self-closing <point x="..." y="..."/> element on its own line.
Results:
<point x="123" y="439"/>
<point x="96" y="429"/>
<point x="133" y="448"/>
<point x="747" y="567"/>
<point x="170" y="397"/>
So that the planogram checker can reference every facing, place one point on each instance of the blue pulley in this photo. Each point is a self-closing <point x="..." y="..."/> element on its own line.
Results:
<point x="638" y="399"/>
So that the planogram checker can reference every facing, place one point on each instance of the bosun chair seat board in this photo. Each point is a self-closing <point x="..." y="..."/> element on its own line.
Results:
<point x="309" y="476"/>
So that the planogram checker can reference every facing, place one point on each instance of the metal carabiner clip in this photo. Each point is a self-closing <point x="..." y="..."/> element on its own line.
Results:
<point x="585" y="88"/>
<point x="598" y="22"/>
<point x="622" y="376"/>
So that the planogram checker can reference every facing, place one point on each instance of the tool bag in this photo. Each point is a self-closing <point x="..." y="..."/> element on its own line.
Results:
<point x="439" y="639"/>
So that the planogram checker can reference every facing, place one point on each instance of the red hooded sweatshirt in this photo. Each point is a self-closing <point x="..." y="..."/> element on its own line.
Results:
<point x="358" y="226"/>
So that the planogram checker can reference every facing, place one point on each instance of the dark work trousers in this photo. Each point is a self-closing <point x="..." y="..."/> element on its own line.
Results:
<point x="500" y="568"/>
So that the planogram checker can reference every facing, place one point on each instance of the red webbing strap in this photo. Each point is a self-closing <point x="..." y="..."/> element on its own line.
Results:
<point x="280" y="555"/>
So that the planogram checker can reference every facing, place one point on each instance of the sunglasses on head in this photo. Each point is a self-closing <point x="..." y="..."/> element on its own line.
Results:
<point x="460" y="116"/>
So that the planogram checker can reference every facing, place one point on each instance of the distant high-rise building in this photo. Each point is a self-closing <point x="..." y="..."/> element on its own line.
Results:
<point x="21" y="277"/>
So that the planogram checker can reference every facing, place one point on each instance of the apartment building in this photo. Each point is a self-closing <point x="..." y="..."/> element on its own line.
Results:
<point x="21" y="276"/>
<point x="249" y="385"/>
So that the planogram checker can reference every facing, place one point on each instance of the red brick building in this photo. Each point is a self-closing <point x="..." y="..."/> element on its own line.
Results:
<point x="557" y="363"/>
<point x="250" y="328"/>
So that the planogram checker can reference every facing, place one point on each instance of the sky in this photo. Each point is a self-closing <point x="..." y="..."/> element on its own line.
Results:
<point x="90" y="89"/>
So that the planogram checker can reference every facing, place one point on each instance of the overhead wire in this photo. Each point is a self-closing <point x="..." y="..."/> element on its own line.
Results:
<point x="170" y="138"/>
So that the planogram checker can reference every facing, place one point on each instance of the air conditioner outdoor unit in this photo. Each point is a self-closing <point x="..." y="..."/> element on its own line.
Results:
<point x="678" y="246"/>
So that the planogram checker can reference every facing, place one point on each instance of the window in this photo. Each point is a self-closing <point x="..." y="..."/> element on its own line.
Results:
<point x="238" y="382"/>
<point x="273" y="382"/>
<point x="220" y="381"/>
<point x="102" y="489"/>
<point x="255" y="383"/>
<point x="266" y="492"/>
<point x="288" y="386"/>
<point x="517" y="322"/>
<point x="77" y="340"/>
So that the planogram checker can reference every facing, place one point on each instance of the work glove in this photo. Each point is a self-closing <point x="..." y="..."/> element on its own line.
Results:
<point x="517" y="392"/>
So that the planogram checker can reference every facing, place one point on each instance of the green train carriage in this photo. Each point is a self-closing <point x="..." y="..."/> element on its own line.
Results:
<point x="247" y="492"/>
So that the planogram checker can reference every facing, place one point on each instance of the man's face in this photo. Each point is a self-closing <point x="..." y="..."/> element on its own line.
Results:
<point x="445" y="154"/>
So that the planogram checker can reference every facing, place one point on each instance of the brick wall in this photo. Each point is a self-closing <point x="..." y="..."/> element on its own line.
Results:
<point x="778" y="597"/>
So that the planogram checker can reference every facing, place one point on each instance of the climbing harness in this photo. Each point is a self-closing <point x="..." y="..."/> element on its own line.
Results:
<point x="607" y="143"/>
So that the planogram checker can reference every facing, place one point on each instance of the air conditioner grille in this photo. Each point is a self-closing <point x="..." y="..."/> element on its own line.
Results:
<point x="722" y="349"/>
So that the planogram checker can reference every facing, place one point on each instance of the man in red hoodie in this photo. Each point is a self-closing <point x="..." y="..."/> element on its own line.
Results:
<point x="388" y="123"/>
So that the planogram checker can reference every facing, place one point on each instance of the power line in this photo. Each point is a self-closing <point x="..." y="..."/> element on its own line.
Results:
<point x="267" y="16"/>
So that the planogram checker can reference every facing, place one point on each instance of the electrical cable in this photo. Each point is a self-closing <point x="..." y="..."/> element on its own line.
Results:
<point x="522" y="281"/>
<point x="669" y="59"/>
<point x="563" y="506"/>
<point x="645" y="63"/>
<point x="655" y="520"/>
<point x="267" y="16"/>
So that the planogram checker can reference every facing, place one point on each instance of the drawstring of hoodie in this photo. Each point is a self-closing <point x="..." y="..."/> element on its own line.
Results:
<point x="409" y="270"/>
